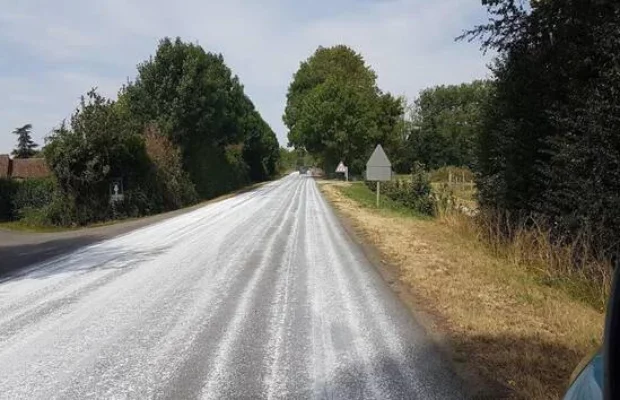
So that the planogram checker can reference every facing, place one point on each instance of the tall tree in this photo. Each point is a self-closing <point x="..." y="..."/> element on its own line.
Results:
<point x="196" y="101"/>
<point x="550" y="144"/>
<point x="335" y="110"/>
<point x="25" y="145"/>
<point x="446" y="122"/>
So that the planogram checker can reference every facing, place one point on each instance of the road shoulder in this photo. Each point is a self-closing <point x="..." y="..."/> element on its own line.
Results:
<point x="507" y="334"/>
<point x="476" y="386"/>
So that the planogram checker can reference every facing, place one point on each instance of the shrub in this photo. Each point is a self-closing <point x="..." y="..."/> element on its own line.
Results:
<point x="443" y="174"/>
<point x="173" y="184"/>
<point x="98" y="146"/>
<point x="18" y="198"/>
<point x="216" y="170"/>
<point x="7" y="193"/>
<point x="61" y="211"/>
<point x="415" y="194"/>
<point x="33" y="194"/>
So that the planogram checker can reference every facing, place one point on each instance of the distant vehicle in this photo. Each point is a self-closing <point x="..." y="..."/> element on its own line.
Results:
<point x="303" y="170"/>
<point x="598" y="378"/>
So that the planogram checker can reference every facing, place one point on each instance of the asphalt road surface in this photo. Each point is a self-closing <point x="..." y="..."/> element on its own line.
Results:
<point x="260" y="296"/>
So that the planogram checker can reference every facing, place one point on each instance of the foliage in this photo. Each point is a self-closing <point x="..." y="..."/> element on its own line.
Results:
<point x="287" y="161"/>
<point x="100" y="145"/>
<point x="26" y="147"/>
<point x="33" y="194"/>
<point x="194" y="99"/>
<point x="360" y="192"/>
<point x="414" y="193"/>
<point x="458" y="174"/>
<point x="7" y="193"/>
<point x="336" y="112"/>
<point x="184" y="129"/>
<point x="175" y="186"/>
<point x="446" y="123"/>
<point x="20" y="198"/>
<point x="260" y="148"/>
<point x="549" y="146"/>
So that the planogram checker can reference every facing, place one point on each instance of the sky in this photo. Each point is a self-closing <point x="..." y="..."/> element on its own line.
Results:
<point x="54" y="52"/>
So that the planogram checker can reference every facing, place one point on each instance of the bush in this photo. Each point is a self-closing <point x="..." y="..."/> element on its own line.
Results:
<point x="61" y="211"/>
<point x="173" y="183"/>
<point x="99" y="146"/>
<point x="415" y="194"/>
<point x="216" y="170"/>
<point x="7" y="193"/>
<point x="443" y="174"/>
<point x="33" y="194"/>
<point x="20" y="198"/>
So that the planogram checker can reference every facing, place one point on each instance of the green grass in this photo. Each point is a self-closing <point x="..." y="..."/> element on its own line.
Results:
<point x="359" y="192"/>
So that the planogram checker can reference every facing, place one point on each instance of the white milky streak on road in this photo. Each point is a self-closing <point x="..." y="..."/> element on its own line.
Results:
<point x="260" y="296"/>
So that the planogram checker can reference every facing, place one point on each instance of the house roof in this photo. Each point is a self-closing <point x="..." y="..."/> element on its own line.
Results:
<point x="5" y="163"/>
<point x="25" y="168"/>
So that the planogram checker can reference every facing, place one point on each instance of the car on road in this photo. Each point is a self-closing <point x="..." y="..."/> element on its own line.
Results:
<point x="598" y="377"/>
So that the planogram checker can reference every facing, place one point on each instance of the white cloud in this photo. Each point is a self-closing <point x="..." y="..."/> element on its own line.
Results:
<point x="59" y="50"/>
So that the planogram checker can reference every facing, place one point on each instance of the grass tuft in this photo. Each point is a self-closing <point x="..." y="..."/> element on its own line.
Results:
<point x="359" y="192"/>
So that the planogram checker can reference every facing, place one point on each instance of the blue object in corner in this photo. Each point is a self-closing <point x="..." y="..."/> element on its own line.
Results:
<point x="589" y="383"/>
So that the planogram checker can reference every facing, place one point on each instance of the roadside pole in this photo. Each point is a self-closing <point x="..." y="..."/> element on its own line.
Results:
<point x="378" y="169"/>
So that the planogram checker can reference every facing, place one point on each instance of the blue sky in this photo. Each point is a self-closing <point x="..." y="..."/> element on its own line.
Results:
<point x="53" y="52"/>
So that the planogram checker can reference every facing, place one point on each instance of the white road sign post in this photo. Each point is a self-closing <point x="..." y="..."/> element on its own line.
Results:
<point x="116" y="191"/>
<point x="343" y="169"/>
<point x="379" y="169"/>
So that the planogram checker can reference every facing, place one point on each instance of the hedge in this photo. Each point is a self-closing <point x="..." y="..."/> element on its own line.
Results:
<point x="18" y="197"/>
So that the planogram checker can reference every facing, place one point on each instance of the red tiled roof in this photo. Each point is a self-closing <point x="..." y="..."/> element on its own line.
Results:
<point x="25" y="168"/>
<point x="5" y="163"/>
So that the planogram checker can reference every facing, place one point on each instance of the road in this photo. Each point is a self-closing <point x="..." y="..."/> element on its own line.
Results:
<point x="260" y="296"/>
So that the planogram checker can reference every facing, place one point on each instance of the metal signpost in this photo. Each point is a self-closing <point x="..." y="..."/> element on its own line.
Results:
<point x="379" y="169"/>
<point x="343" y="169"/>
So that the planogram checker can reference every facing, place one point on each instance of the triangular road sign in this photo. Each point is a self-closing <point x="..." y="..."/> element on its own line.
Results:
<point x="378" y="159"/>
<point x="341" y="168"/>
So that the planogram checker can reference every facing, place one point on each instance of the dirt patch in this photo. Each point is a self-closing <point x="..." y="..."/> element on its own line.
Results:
<point x="506" y="332"/>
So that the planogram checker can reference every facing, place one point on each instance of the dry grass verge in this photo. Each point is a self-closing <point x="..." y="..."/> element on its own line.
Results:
<point x="501" y="321"/>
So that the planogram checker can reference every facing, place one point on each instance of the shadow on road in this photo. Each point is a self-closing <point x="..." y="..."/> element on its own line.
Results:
<point x="80" y="254"/>
<point x="15" y="258"/>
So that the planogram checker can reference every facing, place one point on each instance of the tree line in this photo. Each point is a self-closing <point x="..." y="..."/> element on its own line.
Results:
<point x="336" y="112"/>
<point x="541" y="134"/>
<point x="181" y="131"/>
<point x="549" y="145"/>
